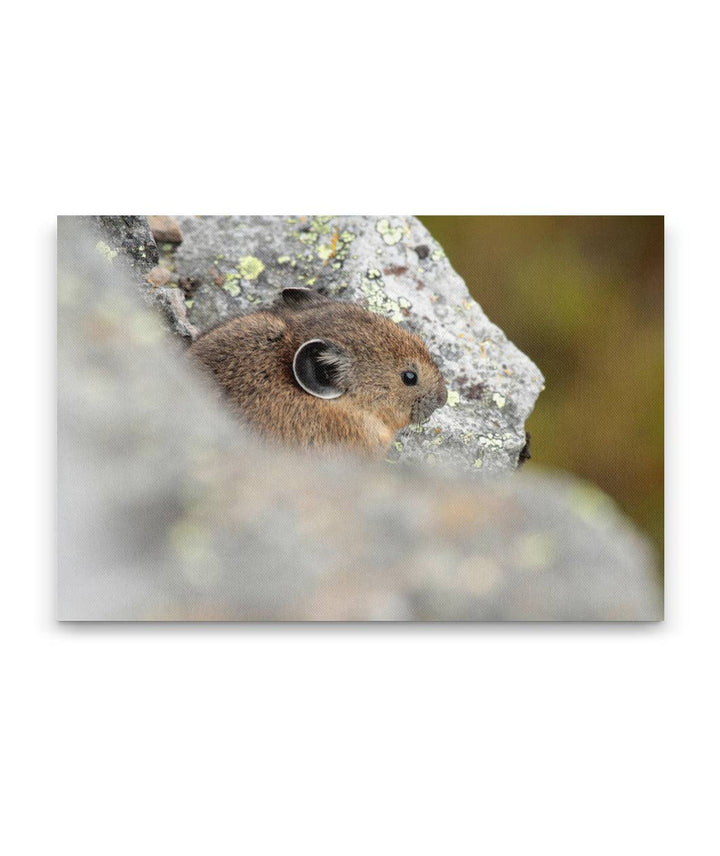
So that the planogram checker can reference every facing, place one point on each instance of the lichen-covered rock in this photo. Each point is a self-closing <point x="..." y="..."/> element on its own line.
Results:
<point x="168" y="509"/>
<point x="126" y="239"/>
<point x="391" y="265"/>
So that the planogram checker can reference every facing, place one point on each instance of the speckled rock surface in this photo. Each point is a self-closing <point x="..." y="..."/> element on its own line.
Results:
<point x="125" y="238"/>
<point x="391" y="265"/>
<point x="167" y="509"/>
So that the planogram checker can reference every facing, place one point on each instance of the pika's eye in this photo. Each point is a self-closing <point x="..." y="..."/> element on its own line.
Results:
<point x="409" y="378"/>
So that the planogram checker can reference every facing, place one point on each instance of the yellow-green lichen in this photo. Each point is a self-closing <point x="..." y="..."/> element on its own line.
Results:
<point x="391" y="235"/>
<point x="377" y="299"/>
<point x="453" y="398"/>
<point x="496" y="441"/>
<point x="105" y="251"/>
<point x="250" y="267"/>
<point x="231" y="284"/>
<point x="317" y="227"/>
<point x="320" y="225"/>
<point x="499" y="400"/>
<point x="283" y="260"/>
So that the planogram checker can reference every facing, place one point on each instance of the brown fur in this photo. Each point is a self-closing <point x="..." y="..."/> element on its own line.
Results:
<point x="252" y="356"/>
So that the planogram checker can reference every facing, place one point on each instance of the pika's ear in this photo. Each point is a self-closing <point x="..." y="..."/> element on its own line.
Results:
<point x="321" y="368"/>
<point x="298" y="298"/>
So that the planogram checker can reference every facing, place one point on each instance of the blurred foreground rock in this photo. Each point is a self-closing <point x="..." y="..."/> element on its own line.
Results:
<point x="391" y="265"/>
<point x="168" y="511"/>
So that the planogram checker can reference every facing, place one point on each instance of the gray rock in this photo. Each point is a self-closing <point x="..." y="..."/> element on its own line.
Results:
<point x="167" y="509"/>
<point x="390" y="265"/>
<point x="125" y="238"/>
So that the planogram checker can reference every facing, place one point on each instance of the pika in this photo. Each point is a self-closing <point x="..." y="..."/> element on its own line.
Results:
<point x="315" y="373"/>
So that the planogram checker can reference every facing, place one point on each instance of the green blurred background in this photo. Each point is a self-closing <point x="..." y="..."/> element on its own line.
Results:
<point x="583" y="297"/>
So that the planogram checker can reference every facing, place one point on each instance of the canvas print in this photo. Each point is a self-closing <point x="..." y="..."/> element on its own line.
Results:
<point x="360" y="418"/>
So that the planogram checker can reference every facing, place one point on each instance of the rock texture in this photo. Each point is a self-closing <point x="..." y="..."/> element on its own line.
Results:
<point x="125" y="238"/>
<point x="391" y="265"/>
<point x="167" y="510"/>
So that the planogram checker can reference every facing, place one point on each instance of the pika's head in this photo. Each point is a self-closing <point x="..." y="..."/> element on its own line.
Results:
<point x="344" y="351"/>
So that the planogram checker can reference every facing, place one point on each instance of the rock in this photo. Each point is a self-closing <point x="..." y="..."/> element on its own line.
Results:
<point x="126" y="243"/>
<point x="175" y="304"/>
<point x="165" y="230"/>
<point x="158" y="276"/>
<point x="125" y="239"/>
<point x="167" y="509"/>
<point x="392" y="266"/>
